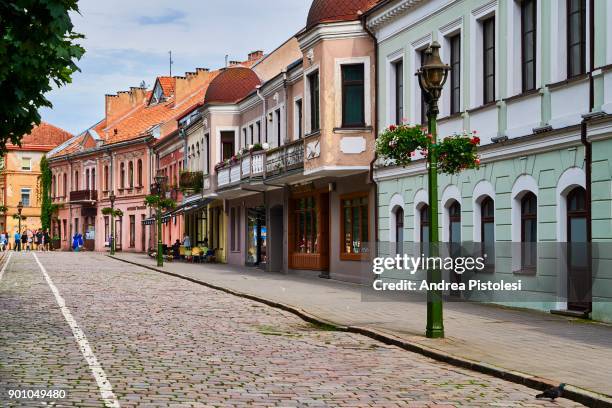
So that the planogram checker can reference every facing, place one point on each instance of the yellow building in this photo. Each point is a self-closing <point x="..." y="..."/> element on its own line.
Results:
<point x="19" y="173"/>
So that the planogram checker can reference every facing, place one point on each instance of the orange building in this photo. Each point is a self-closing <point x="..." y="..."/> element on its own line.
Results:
<point x="19" y="174"/>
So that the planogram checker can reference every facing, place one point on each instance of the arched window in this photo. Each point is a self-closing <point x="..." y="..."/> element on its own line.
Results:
<point x="93" y="179"/>
<point x="529" y="231"/>
<point x="65" y="185"/>
<point x="139" y="172"/>
<point x="424" y="227"/>
<point x="579" y="276"/>
<point x="454" y="215"/>
<point x="122" y="176"/>
<point x="487" y="231"/>
<point x="87" y="179"/>
<point x="131" y="173"/>
<point x="399" y="230"/>
<point x="106" y="183"/>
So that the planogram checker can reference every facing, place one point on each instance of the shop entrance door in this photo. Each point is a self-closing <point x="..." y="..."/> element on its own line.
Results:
<point x="257" y="252"/>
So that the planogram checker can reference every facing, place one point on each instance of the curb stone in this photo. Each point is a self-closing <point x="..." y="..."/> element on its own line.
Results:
<point x="582" y="396"/>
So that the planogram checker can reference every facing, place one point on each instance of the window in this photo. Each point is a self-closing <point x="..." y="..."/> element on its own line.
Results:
<point x="488" y="59"/>
<point x="244" y="134"/>
<point x="258" y="124"/>
<point x="399" y="230"/>
<point x="122" y="176"/>
<point x="252" y="135"/>
<point x="423" y="54"/>
<point x="53" y="188"/>
<point x="87" y="179"/>
<point x="106" y="229"/>
<point x="424" y="228"/>
<point x="299" y="114"/>
<point x="106" y="183"/>
<point x="528" y="44"/>
<point x="139" y="172"/>
<point x="132" y="231"/>
<point x="93" y="179"/>
<point x="455" y="74"/>
<point x="529" y="231"/>
<point x="487" y="231"/>
<point x="76" y="181"/>
<point x="26" y="163"/>
<point x="278" y="126"/>
<point x="353" y="96"/>
<point x="158" y="94"/>
<point x="131" y="174"/>
<point x="398" y="69"/>
<point x="65" y="188"/>
<point x="25" y="196"/>
<point x="306" y="225"/>
<point x="354" y="225"/>
<point x="313" y="83"/>
<point x="576" y="37"/>
<point x="454" y="215"/>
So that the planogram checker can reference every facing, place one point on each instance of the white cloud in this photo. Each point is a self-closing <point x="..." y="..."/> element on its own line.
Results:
<point x="128" y="42"/>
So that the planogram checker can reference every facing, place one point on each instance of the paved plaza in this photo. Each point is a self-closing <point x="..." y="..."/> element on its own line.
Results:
<point x="147" y="339"/>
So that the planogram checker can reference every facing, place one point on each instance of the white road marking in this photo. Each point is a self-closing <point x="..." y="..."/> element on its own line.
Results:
<point x="5" y="265"/>
<point x="106" y="390"/>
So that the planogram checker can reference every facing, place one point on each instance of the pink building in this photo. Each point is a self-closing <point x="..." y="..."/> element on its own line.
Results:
<point x="116" y="155"/>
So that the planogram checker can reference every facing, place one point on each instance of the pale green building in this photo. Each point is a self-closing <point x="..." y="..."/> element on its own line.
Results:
<point x="534" y="78"/>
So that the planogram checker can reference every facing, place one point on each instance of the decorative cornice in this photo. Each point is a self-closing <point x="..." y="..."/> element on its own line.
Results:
<point x="392" y="13"/>
<point x="331" y="31"/>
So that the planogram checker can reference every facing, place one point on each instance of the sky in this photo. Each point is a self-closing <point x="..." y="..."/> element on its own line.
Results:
<point x="127" y="42"/>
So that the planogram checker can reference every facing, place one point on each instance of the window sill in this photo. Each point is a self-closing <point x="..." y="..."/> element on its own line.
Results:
<point x="482" y="107"/>
<point x="353" y="129"/>
<point x="450" y="117"/>
<point x="568" y="81"/>
<point x="522" y="95"/>
<point x="526" y="271"/>
<point x="312" y="134"/>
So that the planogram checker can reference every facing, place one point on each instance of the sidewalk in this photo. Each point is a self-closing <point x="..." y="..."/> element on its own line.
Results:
<point x="556" y="349"/>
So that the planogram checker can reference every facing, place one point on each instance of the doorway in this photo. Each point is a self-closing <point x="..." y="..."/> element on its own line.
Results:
<point x="579" y="297"/>
<point x="276" y="259"/>
<point x="257" y="236"/>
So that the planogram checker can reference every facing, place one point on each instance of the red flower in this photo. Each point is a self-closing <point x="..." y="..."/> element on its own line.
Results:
<point x="477" y="161"/>
<point x="475" y="140"/>
<point x="392" y="128"/>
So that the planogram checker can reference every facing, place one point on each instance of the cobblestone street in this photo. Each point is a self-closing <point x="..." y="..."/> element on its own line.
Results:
<point x="162" y="341"/>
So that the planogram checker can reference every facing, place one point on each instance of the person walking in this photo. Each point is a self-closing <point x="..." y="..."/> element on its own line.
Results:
<point x="77" y="242"/>
<point x="25" y="240"/>
<point x="46" y="239"/>
<point x="3" y="242"/>
<point x="187" y="242"/>
<point x="17" y="238"/>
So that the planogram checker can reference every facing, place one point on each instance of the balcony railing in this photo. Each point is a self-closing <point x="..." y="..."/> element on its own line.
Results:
<point x="262" y="164"/>
<point x="84" y="195"/>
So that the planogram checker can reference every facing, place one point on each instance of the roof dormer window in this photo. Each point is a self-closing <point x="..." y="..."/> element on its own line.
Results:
<point x="158" y="94"/>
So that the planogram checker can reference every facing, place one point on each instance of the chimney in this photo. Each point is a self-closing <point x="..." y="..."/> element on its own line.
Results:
<point x="255" y="55"/>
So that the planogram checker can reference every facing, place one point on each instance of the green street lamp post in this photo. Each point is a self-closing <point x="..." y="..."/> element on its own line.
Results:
<point x="160" y="181"/>
<point x="112" y="237"/>
<point x="432" y="75"/>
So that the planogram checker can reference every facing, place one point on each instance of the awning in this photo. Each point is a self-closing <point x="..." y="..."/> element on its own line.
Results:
<point x="189" y="207"/>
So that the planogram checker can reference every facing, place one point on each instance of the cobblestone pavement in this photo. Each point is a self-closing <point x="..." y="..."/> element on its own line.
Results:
<point x="167" y="342"/>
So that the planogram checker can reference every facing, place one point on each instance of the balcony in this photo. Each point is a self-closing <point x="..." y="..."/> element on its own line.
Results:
<point x="83" y="196"/>
<point x="260" y="165"/>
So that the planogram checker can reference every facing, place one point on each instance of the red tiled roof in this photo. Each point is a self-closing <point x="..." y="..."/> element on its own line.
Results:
<point x="327" y="11"/>
<point x="168" y="84"/>
<point x="232" y="85"/>
<point x="45" y="134"/>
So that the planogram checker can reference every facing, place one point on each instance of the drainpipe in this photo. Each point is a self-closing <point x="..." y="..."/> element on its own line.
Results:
<point x="588" y="150"/>
<point x="285" y="87"/>
<point x="376" y="81"/>
<point x="264" y="122"/>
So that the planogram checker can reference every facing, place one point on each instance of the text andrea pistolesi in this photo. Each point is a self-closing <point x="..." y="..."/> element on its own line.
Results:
<point x="458" y="265"/>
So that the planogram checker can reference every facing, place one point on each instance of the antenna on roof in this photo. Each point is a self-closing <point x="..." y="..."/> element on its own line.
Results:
<point x="226" y="59"/>
<point x="171" y="62"/>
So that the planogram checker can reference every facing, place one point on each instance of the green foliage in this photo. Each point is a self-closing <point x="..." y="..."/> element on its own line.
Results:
<point x="3" y="209"/>
<point x="114" y="212"/>
<point x="155" y="201"/>
<point x="400" y="144"/>
<point x="191" y="181"/>
<point x="44" y="189"/>
<point x="38" y="49"/>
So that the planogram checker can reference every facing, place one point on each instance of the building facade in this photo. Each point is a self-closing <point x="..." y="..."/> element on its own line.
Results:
<point x="19" y="176"/>
<point x="533" y="79"/>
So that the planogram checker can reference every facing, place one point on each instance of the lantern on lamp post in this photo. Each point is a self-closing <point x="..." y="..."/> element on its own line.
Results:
<point x="432" y="75"/>
<point x="160" y="181"/>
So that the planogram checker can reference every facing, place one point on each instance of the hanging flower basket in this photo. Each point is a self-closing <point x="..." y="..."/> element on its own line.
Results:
<point x="455" y="153"/>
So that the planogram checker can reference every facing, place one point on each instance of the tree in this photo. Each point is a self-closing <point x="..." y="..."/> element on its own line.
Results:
<point x="37" y="50"/>
<point x="44" y="189"/>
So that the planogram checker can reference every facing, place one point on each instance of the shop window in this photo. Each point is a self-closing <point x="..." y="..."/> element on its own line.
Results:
<point x="354" y="224"/>
<point x="306" y="225"/>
